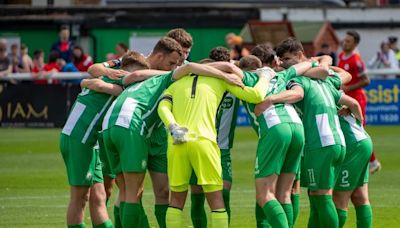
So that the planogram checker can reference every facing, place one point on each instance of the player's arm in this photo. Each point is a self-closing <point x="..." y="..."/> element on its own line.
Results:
<point x="344" y="76"/>
<point x="295" y="94"/>
<point x="227" y="67"/>
<point x="101" y="86"/>
<point x="321" y="70"/>
<point x="353" y="105"/>
<point x="254" y="94"/>
<point x="364" y="81"/>
<point x="106" y="68"/>
<point x="205" y="70"/>
<point x="165" y="110"/>
<point x="141" y="75"/>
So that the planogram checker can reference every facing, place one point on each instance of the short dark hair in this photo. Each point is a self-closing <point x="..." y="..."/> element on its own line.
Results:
<point x="123" y="45"/>
<point x="220" y="54"/>
<point x="392" y="39"/>
<point x="291" y="45"/>
<point x="167" y="45"/>
<point x="249" y="63"/>
<point x="64" y="27"/>
<point x="37" y="53"/>
<point x="53" y="56"/>
<point x="355" y="36"/>
<point x="134" y="59"/>
<point x="264" y="52"/>
<point x="181" y="36"/>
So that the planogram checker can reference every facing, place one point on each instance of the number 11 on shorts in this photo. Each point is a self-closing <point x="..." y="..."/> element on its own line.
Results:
<point x="311" y="178"/>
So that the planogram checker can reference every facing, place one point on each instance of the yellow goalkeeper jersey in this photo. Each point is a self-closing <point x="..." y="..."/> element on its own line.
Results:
<point x="193" y="102"/>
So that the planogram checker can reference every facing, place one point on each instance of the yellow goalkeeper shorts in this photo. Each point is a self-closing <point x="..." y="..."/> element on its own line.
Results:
<point x="201" y="156"/>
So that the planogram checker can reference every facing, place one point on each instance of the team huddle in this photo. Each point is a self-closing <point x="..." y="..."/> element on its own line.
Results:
<point x="176" y="119"/>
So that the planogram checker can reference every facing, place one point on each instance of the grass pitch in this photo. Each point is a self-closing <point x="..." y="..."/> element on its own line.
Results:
<point x="34" y="190"/>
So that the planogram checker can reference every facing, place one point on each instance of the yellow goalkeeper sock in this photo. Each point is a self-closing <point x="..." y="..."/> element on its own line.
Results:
<point x="174" y="218"/>
<point x="219" y="218"/>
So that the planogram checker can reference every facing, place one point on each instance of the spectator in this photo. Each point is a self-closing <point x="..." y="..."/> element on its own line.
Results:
<point x="15" y="59"/>
<point x="235" y="43"/>
<point x="52" y="67"/>
<point x="64" y="46"/>
<point x="81" y="60"/>
<point x="38" y="67"/>
<point x="326" y="50"/>
<point x="68" y="67"/>
<point x="5" y="64"/>
<point x="385" y="58"/>
<point x="27" y="62"/>
<point x="38" y="61"/>
<point x="393" y="45"/>
<point x="121" y="49"/>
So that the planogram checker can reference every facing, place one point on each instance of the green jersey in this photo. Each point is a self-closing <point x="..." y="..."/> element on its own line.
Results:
<point x="277" y="113"/>
<point x="87" y="113"/>
<point x="228" y="112"/>
<point x="352" y="128"/>
<point x="226" y="121"/>
<point x="319" y="113"/>
<point x="136" y="107"/>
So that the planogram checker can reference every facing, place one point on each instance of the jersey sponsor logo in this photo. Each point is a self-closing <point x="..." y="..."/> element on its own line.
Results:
<point x="227" y="103"/>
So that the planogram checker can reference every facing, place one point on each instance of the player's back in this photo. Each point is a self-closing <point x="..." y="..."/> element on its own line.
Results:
<point x="195" y="104"/>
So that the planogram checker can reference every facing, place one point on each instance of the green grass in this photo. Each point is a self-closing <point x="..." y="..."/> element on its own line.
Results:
<point x="34" y="190"/>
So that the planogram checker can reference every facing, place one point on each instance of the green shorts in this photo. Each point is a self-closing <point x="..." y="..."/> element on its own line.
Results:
<point x="82" y="162"/>
<point x="103" y="157"/>
<point x="321" y="167"/>
<point x="126" y="149"/>
<point x="158" y="141"/>
<point x="354" y="170"/>
<point x="279" y="150"/>
<point x="226" y="164"/>
<point x="157" y="160"/>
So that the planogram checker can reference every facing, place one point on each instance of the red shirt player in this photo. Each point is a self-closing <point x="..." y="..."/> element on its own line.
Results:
<point x="351" y="61"/>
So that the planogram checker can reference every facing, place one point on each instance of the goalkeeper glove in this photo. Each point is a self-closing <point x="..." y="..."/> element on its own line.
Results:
<point x="179" y="134"/>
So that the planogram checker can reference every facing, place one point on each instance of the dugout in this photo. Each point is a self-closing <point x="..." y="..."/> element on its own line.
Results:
<point x="311" y="34"/>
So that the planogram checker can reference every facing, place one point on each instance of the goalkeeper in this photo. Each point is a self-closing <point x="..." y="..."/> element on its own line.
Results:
<point x="192" y="103"/>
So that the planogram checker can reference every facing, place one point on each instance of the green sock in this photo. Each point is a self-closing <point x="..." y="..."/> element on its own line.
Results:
<point x="364" y="216"/>
<point x="117" y="218"/>
<point x="275" y="214"/>
<point x="143" y="220"/>
<point x="261" y="218"/>
<point x="342" y="215"/>
<point x="219" y="218"/>
<point x="226" y="195"/>
<point x="121" y="211"/>
<point x="296" y="206"/>
<point x="288" y="208"/>
<point x="132" y="213"/>
<point x="313" y="221"/>
<point x="160" y="210"/>
<point x="106" y="224"/>
<point x="77" y="226"/>
<point x="326" y="210"/>
<point x="174" y="218"/>
<point x="197" y="212"/>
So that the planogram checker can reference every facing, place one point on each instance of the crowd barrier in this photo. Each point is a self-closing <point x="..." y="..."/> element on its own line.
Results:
<point x="31" y="105"/>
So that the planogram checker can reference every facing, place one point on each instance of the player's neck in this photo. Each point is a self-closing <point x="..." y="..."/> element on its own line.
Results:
<point x="348" y="52"/>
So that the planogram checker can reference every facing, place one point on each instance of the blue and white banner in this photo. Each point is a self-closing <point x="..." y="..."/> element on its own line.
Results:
<point x="383" y="107"/>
